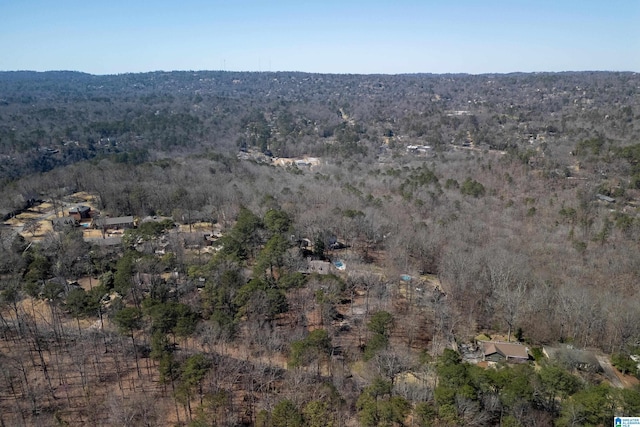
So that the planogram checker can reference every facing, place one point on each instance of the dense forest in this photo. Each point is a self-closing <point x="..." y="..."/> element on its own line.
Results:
<point x="321" y="250"/>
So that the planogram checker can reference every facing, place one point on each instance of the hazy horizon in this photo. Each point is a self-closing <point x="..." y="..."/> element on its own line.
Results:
<point x="311" y="72"/>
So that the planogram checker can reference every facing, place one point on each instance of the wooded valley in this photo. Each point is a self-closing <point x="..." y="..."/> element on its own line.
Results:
<point x="319" y="250"/>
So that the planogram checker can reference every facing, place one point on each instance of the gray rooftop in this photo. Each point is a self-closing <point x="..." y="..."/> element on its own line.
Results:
<point x="120" y="220"/>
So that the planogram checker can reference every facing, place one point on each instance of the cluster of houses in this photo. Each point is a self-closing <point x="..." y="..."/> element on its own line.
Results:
<point x="490" y="351"/>
<point x="321" y="266"/>
<point x="82" y="215"/>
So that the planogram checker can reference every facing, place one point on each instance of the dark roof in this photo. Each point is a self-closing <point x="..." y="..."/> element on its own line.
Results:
<point x="117" y="220"/>
<point x="113" y="222"/>
<point x="80" y="208"/>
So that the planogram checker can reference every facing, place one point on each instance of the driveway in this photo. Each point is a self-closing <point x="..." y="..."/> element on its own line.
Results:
<point x="610" y="371"/>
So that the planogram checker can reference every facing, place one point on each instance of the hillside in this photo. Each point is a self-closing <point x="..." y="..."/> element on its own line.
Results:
<point x="56" y="118"/>
<point x="313" y="249"/>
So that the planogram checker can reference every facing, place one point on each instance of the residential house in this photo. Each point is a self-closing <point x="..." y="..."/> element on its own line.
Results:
<point x="105" y="242"/>
<point x="320" y="267"/>
<point x="66" y="221"/>
<point x="568" y="356"/>
<point x="117" y="223"/>
<point x="305" y="243"/>
<point x="80" y="212"/>
<point x="494" y="351"/>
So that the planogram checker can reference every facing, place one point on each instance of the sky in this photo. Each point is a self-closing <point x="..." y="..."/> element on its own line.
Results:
<point x="349" y="36"/>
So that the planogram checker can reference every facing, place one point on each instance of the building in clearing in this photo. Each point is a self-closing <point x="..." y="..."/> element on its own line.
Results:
<point x="494" y="351"/>
<point x="80" y="212"/>
<point x="117" y="223"/>
<point x="319" y="266"/>
<point x="567" y="355"/>
<point x="66" y="221"/>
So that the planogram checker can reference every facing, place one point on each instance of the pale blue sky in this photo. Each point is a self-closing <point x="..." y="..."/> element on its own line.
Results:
<point x="115" y="36"/>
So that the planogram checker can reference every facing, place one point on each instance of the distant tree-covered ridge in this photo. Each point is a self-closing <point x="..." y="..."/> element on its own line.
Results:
<point x="55" y="118"/>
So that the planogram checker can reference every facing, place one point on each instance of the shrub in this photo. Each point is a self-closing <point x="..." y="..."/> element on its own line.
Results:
<point x="471" y="187"/>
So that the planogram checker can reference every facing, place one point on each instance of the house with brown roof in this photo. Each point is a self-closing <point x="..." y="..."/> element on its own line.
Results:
<point x="494" y="351"/>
